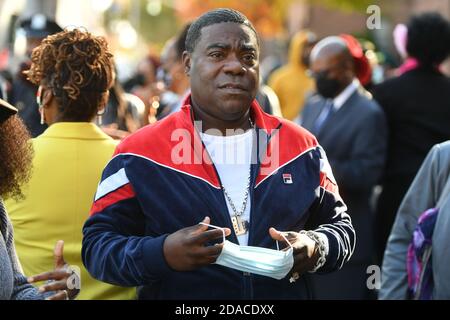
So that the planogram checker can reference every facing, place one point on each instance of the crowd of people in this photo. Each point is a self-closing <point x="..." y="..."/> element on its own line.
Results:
<point x="199" y="171"/>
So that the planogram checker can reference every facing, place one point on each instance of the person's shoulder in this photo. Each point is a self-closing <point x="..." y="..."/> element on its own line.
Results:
<point x="314" y="99"/>
<point x="390" y="84"/>
<point x="439" y="158"/>
<point x="152" y="135"/>
<point x="296" y="136"/>
<point x="443" y="149"/>
<point x="368" y="102"/>
<point x="110" y="143"/>
<point x="294" y="128"/>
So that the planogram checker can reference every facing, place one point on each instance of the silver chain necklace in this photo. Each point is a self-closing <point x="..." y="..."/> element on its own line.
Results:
<point x="240" y="226"/>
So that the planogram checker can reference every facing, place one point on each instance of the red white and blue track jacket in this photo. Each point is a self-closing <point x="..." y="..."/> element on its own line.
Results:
<point x="145" y="195"/>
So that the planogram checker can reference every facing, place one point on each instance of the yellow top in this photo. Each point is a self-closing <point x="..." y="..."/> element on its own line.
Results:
<point x="290" y="82"/>
<point x="68" y="162"/>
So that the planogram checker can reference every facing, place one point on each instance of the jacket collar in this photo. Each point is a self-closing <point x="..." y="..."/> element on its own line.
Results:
<point x="75" y="130"/>
<point x="344" y="96"/>
<point x="261" y="120"/>
<point x="265" y="125"/>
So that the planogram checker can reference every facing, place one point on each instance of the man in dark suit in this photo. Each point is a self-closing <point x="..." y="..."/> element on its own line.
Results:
<point x="351" y="127"/>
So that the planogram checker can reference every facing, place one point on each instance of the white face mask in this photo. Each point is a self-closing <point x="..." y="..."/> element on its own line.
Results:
<point x="265" y="262"/>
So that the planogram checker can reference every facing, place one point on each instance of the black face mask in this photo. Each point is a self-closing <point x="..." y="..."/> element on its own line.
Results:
<point x="326" y="87"/>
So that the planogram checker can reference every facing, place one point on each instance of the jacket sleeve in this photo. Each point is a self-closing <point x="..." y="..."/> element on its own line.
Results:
<point x="363" y="168"/>
<point x="421" y="196"/>
<point x="25" y="291"/>
<point x="114" y="248"/>
<point x="22" y="290"/>
<point x="328" y="216"/>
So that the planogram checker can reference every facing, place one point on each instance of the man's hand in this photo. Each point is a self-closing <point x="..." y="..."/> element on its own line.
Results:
<point x="185" y="249"/>
<point x="306" y="252"/>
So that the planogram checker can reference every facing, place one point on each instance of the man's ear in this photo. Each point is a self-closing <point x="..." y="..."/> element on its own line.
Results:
<point x="187" y="62"/>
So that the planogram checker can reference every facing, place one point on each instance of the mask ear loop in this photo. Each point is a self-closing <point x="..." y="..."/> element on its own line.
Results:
<point x="215" y="227"/>
<point x="278" y="247"/>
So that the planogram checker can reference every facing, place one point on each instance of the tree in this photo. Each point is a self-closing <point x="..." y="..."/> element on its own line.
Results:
<point x="268" y="16"/>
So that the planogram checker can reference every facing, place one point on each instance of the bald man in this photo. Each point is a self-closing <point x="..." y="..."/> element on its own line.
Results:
<point x="351" y="127"/>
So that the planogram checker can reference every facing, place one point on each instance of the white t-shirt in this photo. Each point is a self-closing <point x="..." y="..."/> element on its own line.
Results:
<point x="232" y="158"/>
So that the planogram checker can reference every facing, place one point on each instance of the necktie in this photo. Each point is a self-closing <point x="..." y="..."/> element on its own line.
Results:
<point x="323" y="116"/>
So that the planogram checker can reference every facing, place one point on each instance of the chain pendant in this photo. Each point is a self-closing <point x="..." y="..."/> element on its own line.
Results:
<point x="239" y="225"/>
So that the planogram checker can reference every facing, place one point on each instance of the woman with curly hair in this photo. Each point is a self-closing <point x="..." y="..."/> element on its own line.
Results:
<point x="74" y="71"/>
<point x="15" y="163"/>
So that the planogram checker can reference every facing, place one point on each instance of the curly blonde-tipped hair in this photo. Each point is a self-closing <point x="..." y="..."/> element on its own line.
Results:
<point x="79" y="70"/>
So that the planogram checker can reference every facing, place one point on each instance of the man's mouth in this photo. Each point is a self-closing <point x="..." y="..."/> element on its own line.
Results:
<point x="233" y="87"/>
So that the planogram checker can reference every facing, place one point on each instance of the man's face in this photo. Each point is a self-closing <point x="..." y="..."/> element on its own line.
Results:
<point x="329" y="66"/>
<point x="173" y="68"/>
<point x="331" y="74"/>
<point x="224" y="70"/>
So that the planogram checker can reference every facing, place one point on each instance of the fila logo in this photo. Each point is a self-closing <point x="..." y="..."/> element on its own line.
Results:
<point x="287" y="178"/>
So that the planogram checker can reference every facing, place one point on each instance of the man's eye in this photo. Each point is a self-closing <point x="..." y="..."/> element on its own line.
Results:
<point x="216" y="54"/>
<point x="249" y="57"/>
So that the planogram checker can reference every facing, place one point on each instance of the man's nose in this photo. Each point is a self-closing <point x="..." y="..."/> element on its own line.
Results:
<point x="234" y="66"/>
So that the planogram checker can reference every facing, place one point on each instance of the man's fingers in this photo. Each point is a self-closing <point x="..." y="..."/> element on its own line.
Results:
<point x="51" y="275"/>
<point x="54" y="286"/>
<point x="300" y="262"/>
<point x="201" y="227"/>
<point x="275" y="234"/>
<point x="208" y="251"/>
<point x="210" y="235"/>
<point x="278" y="235"/>
<point x="300" y="257"/>
<point x="209" y="260"/>
<point x="58" y="255"/>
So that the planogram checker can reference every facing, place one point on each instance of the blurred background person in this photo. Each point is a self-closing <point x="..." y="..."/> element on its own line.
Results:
<point x="23" y="94"/>
<point x="291" y="82"/>
<point x="172" y="75"/>
<point x="268" y="100"/>
<point x="74" y="71"/>
<point x="144" y="85"/>
<point x="352" y="129"/>
<point x="123" y="112"/>
<point x="361" y="65"/>
<point x="417" y="256"/>
<point x="400" y="35"/>
<point x="416" y="105"/>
